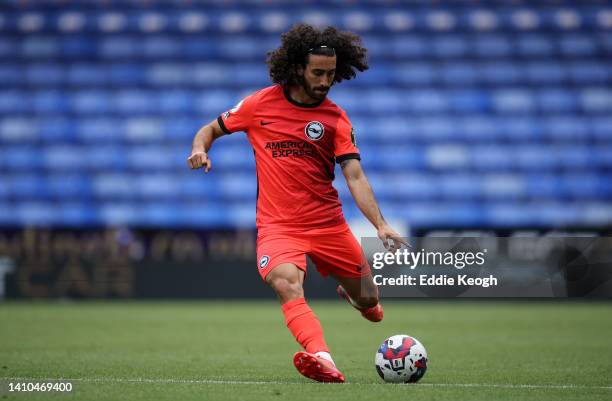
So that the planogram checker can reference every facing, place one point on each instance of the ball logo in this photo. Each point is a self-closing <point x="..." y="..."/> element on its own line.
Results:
<point x="263" y="262"/>
<point x="314" y="130"/>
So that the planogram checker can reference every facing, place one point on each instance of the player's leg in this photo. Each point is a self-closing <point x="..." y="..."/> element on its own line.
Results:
<point x="337" y="252"/>
<point x="316" y="363"/>
<point x="286" y="280"/>
<point x="362" y="294"/>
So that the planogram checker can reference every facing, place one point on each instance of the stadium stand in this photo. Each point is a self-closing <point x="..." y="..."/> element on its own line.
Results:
<point x="473" y="114"/>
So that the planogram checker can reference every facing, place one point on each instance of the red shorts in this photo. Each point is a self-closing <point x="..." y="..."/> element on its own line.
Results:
<point x="334" y="250"/>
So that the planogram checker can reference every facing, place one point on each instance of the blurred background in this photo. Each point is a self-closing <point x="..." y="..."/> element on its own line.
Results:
<point x="489" y="116"/>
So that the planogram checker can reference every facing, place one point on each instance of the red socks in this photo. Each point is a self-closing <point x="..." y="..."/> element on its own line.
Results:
<point x="304" y="325"/>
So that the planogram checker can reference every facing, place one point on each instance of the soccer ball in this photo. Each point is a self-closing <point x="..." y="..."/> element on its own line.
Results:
<point x="401" y="359"/>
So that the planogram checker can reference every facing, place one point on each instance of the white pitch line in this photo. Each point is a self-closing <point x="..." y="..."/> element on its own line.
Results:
<point x="247" y="382"/>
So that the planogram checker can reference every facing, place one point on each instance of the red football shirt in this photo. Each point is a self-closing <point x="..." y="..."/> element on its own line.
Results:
<point x="295" y="148"/>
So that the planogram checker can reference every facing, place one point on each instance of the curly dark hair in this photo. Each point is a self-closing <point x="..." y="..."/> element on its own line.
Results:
<point x="296" y="43"/>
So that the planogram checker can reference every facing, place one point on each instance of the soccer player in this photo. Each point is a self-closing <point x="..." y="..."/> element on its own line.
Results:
<point x="297" y="134"/>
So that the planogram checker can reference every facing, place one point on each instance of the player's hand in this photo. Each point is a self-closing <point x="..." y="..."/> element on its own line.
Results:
<point x="198" y="160"/>
<point x="391" y="239"/>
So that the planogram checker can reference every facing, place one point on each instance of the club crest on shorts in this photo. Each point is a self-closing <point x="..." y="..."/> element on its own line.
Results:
<point x="263" y="262"/>
<point x="314" y="130"/>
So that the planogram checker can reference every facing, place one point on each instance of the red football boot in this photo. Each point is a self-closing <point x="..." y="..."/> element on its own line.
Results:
<point x="316" y="368"/>
<point x="373" y="314"/>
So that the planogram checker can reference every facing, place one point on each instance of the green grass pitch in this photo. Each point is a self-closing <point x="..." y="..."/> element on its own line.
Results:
<point x="241" y="350"/>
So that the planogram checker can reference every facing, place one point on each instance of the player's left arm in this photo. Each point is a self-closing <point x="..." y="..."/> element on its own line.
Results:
<point x="366" y="201"/>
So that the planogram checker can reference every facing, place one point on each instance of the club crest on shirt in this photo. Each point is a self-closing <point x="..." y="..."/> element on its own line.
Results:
<point x="314" y="130"/>
<point x="263" y="262"/>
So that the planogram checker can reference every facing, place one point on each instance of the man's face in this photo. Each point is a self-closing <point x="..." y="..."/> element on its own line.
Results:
<point x="318" y="76"/>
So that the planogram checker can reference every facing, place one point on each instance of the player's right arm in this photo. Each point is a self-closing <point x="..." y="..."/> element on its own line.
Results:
<point x="237" y="118"/>
<point x="201" y="145"/>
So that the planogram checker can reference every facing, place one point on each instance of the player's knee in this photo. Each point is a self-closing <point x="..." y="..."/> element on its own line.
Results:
<point x="287" y="289"/>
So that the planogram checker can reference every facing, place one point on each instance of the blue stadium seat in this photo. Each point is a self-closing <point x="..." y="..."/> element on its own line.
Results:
<point x="458" y="73"/>
<point x="135" y="102"/>
<point x="421" y="101"/>
<point x="596" y="100"/>
<point x="130" y="74"/>
<point x="470" y="101"/>
<point x="514" y="101"/>
<point x="121" y="213"/>
<point x="98" y="129"/>
<point x="13" y="102"/>
<point x="460" y="186"/>
<point x="490" y="46"/>
<point x="521" y="128"/>
<point x="8" y="48"/>
<point x="143" y="129"/>
<point x="87" y="75"/>
<point x="449" y="46"/>
<point x="181" y="129"/>
<point x="102" y="157"/>
<point x="545" y="73"/>
<point x="68" y="186"/>
<point x="535" y="45"/>
<point x="507" y="214"/>
<point x="78" y="214"/>
<point x="557" y="214"/>
<point x="544" y="186"/>
<point x="603" y="156"/>
<point x="149" y="158"/>
<point x="578" y="45"/>
<point x="406" y="185"/>
<point x="408" y="46"/>
<point x="557" y="101"/>
<point x="49" y="102"/>
<point x="10" y="74"/>
<point x="169" y="74"/>
<point x="566" y="128"/>
<point x="21" y="158"/>
<point x="91" y="102"/>
<point x="63" y="157"/>
<point x="40" y="47"/>
<point x="232" y="157"/>
<point x="19" y="129"/>
<point x="177" y="102"/>
<point x="43" y="74"/>
<point x="119" y="47"/>
<point x="589" y="72"/>
<point x="160" y="47"/>
<point x="28" y="186"/>
<point x="601" y="128"/>
<point x="447" y="156"/>
<point x="575" y="157"/>
<point x="35" y="213"/>
<point x="156" y="186"/>
<point x="534" y="158"/>
<point x="435" y="129"/>
<point x="582" y="186"/>
<point x="504" y="186"/>
<point x="79" y="47"/>
<point x="491" y="158"/>
<point x="238" y="187"/>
